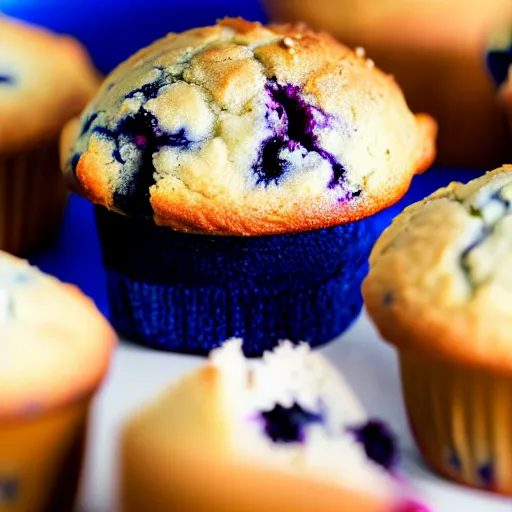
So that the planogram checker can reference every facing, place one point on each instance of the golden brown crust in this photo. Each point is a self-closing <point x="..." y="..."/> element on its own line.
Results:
<point x="50" y="79"/>
<point x="152" y="482"/>
<point x="196" y="214"/>
<point x="252" y="130"/>
<point x="94" y="182"/>
<point x="438" y="281"/>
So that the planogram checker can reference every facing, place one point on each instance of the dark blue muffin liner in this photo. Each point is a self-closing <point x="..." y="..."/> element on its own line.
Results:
<point x="188" y="293"/>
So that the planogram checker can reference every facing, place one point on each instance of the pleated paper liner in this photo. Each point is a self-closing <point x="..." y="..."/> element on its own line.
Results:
<point x="461" y="419"/>
<point x="41" y="459"/>
<point x="33" y="196"/>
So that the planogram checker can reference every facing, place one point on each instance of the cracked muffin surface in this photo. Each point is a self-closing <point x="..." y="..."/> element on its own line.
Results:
<point x="243" y="129"/>
<point x="440" y="277"/>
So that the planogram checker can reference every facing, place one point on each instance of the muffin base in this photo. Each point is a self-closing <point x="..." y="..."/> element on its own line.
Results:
<point x="41" y="458"/>
<point x="188" y="293"/>
<point x="33" y="196"/>
<point x="155" y="477"/>
<point x="461" y="419"/>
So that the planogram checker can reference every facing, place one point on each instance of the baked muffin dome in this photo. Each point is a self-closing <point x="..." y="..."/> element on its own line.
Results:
<point x="440" y="274"/>
<point x="55" y="345"/>
<point x="243" y="129"/>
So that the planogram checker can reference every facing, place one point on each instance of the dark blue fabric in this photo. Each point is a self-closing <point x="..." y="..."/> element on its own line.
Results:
<point x="188" y="293"/>
<point x="195" y="319"/>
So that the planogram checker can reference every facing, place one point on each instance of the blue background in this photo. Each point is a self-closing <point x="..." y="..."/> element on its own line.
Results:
<point x="112" y="30"/>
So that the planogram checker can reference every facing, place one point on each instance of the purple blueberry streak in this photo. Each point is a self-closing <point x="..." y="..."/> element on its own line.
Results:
<point x="454" y="462"/>
<point x="293" y="122"/>
<point x="142" y="130"/>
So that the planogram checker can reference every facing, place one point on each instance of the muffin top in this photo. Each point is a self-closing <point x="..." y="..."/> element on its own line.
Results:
<point x="45" y="80"/>
<point x="243" y="129"/>
<point x="289" y="412"/>
<point x="54" y="344"/>
<point x="440" y="279"/>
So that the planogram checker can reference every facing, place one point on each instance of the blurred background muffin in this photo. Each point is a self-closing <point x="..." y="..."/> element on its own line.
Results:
<point x="44" y="81"/>
<point x="435" y="50"/>
<point x="247" y="162"/>
<point x="55" y="350"/>
<point x="440" y="290"/>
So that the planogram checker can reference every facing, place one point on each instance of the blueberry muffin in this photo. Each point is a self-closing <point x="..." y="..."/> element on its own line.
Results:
<point x="428" y="46"/>
<point x="54" y="351"/>
<point x="45" y="80"/>
<point x="439" y="289"/>
<point x="232" y="167"/>
<point x="282" y="433"/>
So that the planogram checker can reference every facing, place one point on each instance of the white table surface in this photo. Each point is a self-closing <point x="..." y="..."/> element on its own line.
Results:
<point x="138" y="374"/>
